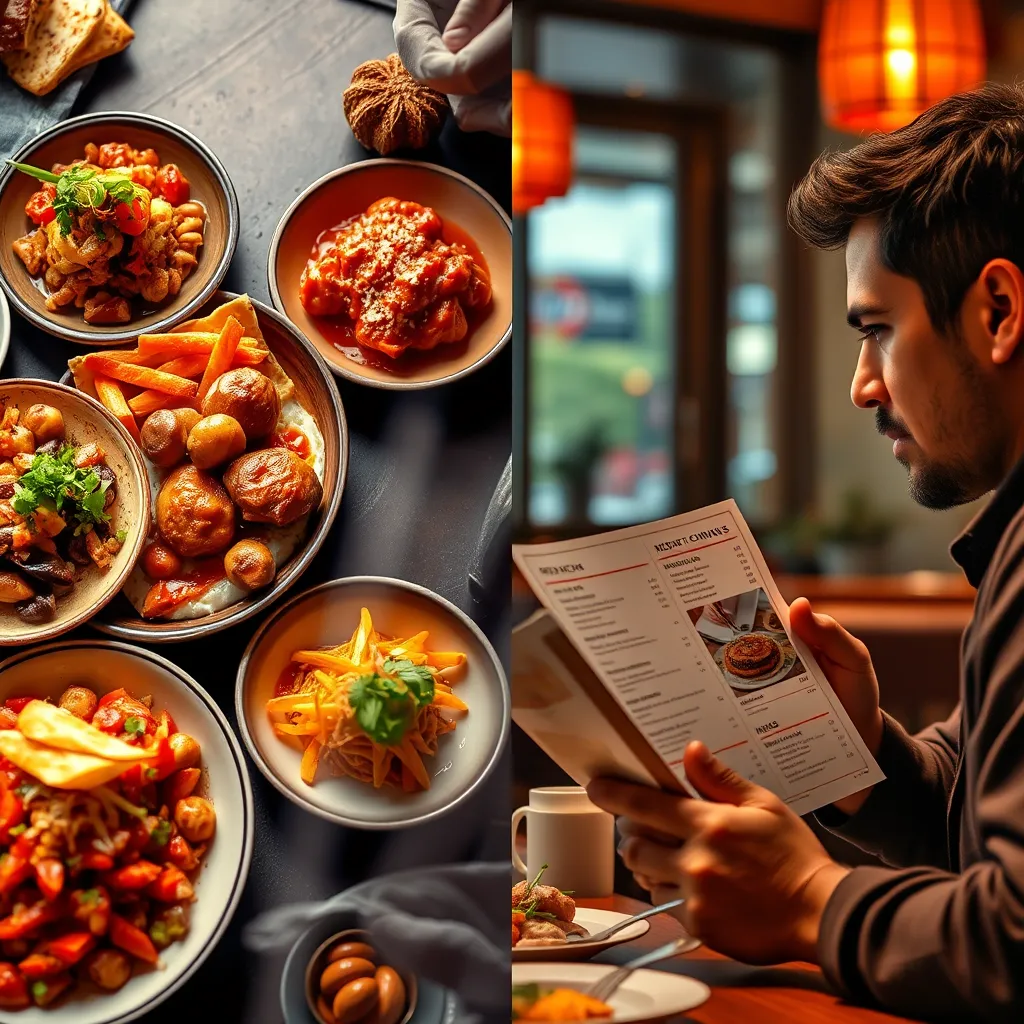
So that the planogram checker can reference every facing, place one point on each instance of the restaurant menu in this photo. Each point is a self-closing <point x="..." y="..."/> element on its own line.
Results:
<point x="656" y="635"/>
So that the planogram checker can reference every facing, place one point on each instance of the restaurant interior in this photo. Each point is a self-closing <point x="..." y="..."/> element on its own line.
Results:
<point x="681" y="345"/>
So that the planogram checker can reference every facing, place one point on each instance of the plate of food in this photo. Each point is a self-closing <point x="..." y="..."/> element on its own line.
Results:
<point x="544" y="917"/>
<point x="554" y="991"/>
<point x="74" y="509"/>
<point x="755" y="660"/>
<point x="372" y="702"/>
<point x="126" y="823"/>
<point x="119" y="224"/>
<point x="400" y="273"/>
<point x="244" y="441"/>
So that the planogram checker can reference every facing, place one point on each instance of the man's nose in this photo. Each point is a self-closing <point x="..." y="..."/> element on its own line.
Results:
<point x="868" y="389"/>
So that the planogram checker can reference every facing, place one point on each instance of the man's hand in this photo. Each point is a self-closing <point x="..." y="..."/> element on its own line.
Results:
<point x="846" y="663"/>
<point x="754" y="876"/>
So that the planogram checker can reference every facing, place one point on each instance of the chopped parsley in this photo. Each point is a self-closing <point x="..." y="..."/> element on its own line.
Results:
<point x="89" y="896"/>
<point x="17" y="830"/>
<point x="134" y="726"/>
<point x="122" y="536"/>
<point x="151" y="773"/>
<point x="158" y="933"/>
<point x="54" y="482"/>
<point x="161" y="833"/>
<point x="387" y="705"/>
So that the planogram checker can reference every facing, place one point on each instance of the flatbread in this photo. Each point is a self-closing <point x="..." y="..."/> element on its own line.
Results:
<point x="113" y="36"/>
<point x="58" y="30"/>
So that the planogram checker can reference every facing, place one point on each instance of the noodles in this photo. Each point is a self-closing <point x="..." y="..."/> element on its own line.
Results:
<point x="372" y="707"/>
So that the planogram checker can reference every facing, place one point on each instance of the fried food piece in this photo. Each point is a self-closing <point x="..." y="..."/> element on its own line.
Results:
<point x="247" y="395"/>
<point x="194" y="513"/>
<point x="273" y="485"/>
<point x="249" y="564"/>
<point x="549" y="900"/>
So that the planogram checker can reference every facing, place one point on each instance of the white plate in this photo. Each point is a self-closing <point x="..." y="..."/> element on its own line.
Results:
<point x="327" y="615"/>
<point x="5" y="327"/>
<point x="739" y="683"/>
<point x="103" y="666"/>
<point x="593" y="921"/>
<point x="643" y="996"/>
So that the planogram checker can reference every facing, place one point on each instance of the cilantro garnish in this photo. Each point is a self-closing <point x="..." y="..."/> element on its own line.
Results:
<point x="387" y="705"/>
<point x="17" y="829"/>
<point x="122" y="536"/>
<point x="89" y="896"/>
<point x="134" y="726"/>
<point x="54" y="481"/>
<point x="161" y="832"/>
<point x="39" y="989"/>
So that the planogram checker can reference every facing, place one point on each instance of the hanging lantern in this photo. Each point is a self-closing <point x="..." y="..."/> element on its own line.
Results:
<point x="882" y="62"/>
<point x="542" y="126"/>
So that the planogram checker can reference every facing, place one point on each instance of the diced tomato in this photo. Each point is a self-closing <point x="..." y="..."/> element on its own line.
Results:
<point x="133" y="876"/>
<point x="93" y="860"/>
<point x="163" y="763"/>
<point x="15" y="867"/>
<point x="132" y="218"/>
<point x="8" y="719"/>
<point x="180" y="784"/>
<point x="13" y="989"/>
<point x="23" y="924"/>
<point x="40" y="965"/>
<point x="108" y="719"/>
<point x="181" y="854"/>
<point x="17" y="704"/>
<point x="116" y="154"/>
<point x="165" y="724"/>
<point x="39" y="208"/>
<point x="172" y="185"/>
<point x="50" y="877"/>
<point x="132" y="940"/>
<point x="12" y="810"/>
<point x="91" y="907"/>
<point x="171" y="887"/>
<point x="109" y="698"/>
<point x="69" y="948"/>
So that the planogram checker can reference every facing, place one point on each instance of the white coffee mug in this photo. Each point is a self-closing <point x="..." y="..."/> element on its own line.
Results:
<point x="573" y="837"/>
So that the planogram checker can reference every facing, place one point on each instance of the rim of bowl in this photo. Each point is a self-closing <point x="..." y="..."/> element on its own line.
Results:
<point x="344" y="370"/>
<point x="5" y="327"/>
<point x="191" y="629"/>
<point x="409" y="979"/>
<point x="248" y="806"/>
<point x="48" y="632"/>
<point x="184" y="136"/>
<point x="294" y="794"/>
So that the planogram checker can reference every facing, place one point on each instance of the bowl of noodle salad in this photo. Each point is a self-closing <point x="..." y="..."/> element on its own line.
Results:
<point x="372" y="702"/>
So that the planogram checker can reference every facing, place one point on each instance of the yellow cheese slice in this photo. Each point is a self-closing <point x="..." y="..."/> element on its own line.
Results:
<point x="62" y="769"/>
<point x="58" y="728"/>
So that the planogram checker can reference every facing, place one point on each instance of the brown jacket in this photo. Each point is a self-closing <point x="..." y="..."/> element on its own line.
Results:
<point x="942" y="937"/>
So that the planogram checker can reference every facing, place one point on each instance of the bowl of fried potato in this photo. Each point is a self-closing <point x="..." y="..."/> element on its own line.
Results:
<point x="117" y="223"/>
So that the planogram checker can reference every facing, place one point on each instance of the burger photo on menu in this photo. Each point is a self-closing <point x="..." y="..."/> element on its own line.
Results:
<point x="745" y="637"/>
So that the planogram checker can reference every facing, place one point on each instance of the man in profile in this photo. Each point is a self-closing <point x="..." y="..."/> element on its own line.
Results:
<point x="932" y="221"/>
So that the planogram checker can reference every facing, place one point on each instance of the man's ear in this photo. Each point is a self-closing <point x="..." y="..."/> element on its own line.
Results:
<point x="1003" y="307"/>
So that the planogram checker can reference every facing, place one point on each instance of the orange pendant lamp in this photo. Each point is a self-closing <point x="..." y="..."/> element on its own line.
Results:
<point x="882" y="62"/>
<point x="542" y="127"/>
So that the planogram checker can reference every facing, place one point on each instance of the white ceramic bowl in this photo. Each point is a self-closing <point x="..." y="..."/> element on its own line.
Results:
<point x="104" y="666"/>
<point x="326" y="616"/>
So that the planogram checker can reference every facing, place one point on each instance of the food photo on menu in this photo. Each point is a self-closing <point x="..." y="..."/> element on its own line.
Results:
<point x="255" y="437"/>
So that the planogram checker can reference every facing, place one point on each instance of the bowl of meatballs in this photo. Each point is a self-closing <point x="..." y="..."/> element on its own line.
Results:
<point x="74" y="509"/>
<point x="245" y="477"/>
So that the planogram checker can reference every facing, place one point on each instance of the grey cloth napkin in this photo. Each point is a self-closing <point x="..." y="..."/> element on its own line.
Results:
<point x="23" y="116"/>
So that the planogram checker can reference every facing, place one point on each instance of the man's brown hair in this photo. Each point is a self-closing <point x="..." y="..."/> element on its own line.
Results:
<point x="948" y="190"/>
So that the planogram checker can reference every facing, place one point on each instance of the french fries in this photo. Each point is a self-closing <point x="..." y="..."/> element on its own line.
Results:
<point x="199" y="343"/>
<point x="112" y="397"/>
<point x="185" y="366"/>
<point x="146" y="402"/>
<point x="141" y="376"/>
<point x="221" y="354"/>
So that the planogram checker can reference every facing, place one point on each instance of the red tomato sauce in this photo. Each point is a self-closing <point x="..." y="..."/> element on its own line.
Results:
<point x="166" y="595"/>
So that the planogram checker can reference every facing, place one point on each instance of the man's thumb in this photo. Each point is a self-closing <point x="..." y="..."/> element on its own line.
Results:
<point x="824" y="634"/>
<point x="714" y="779"/>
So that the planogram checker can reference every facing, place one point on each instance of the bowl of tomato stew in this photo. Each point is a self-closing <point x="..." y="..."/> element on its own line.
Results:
<point x="399" y="272"/>
<point x="126" y="818"/>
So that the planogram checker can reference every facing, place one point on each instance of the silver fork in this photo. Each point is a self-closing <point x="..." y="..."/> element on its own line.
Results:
<point x="606" y="986"/>
<point x="608" y="932"/>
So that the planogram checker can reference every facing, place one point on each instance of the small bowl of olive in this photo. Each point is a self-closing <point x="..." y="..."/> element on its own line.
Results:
<point x="346" y="981"/>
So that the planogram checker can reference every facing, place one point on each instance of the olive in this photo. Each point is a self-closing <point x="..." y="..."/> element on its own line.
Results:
<point x="80" y="701"/>
<point x="159" y="562"/>
<point x="109" y="968"/>
<point x="105" y="473"/>
<point x="354" y="1000"/>
<point x="163" y="438"/>
<point x="50" y="448"/>
<point x="48" y="569"/>
<point x="78" y="552"/>
<point x="45" y="422"/>
<point x="347" y="949"/>
<point x="249" y="564"/>
<point x="214" y="440"/>
<point x="185" y="749"/>
<point x="37" y="610"/>
<point x="195" y="818"/>
<point x="340" y="972"/>
<point x="390" y="996"/>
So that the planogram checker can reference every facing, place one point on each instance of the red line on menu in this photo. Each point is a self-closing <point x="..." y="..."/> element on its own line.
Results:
<point x="686" y="551"/>
<point x="732" y="746"/>
<point x="594" y="575"/>
<point x="804" y="721"/>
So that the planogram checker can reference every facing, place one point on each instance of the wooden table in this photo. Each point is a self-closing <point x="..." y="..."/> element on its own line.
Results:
<point x="740" y="994"/>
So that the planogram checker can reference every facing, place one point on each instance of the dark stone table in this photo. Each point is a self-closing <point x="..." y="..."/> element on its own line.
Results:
<point x="260" y="82"/>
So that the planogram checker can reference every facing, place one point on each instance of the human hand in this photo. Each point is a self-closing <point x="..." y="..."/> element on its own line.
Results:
<point x="754" y="876"/>
<point x="462" y="48"/>
<point x="846" y="662"/>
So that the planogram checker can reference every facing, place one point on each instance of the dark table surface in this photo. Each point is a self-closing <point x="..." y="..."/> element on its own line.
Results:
<point x="260" y="82"/>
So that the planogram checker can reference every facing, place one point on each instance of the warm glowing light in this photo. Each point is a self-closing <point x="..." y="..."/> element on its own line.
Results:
<point x="637" y="381"/>
<point x="882" y="62"/>
<point x="542" y="130"/>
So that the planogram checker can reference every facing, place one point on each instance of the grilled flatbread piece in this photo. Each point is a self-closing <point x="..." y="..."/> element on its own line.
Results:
<point x="113" y="36"/>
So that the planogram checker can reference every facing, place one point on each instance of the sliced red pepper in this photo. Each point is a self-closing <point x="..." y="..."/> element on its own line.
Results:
<point x="23" y="924"/>
<point x="40" y="965"/>
<point x="50" y="877"/>
<point x="70" y="948"/>
<point x="93" y="860"/>
<point x="12" y="810"/>
<point x="132" y="940"/>
<point x="91" y="907"/>
<point x="13" y="989"/>
<point x="17" y="704"/>
<point x="181" y="854"/>
<point x="133" y="876"/>
<point x="15" y="867"/>
<point x="171" y="887"/>
<point x="163" y="763"/>
<point x="109" y="698"/>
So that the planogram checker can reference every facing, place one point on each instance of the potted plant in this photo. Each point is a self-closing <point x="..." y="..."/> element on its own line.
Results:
<point x="855" y="542"/>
